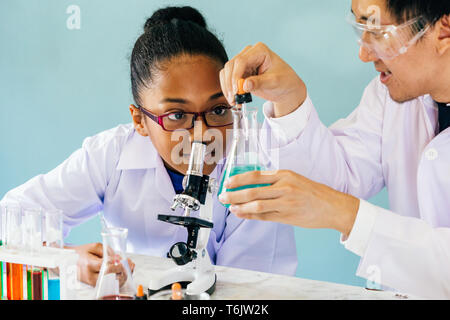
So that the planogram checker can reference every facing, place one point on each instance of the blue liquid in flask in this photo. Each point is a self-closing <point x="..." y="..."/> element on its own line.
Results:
<point x="239" y="170"/>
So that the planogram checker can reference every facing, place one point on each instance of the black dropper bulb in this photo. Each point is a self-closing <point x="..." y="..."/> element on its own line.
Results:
<point x="242" y="96"/>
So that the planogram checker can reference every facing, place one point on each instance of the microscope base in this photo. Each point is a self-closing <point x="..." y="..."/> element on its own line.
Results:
<point x="194" y="283"/>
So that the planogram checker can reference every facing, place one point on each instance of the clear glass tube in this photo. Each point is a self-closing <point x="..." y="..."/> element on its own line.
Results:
<point x="13" y="228"/>
<point x="53" y="237"/>
<point x="14" y="241"/>
<point x="115" y="280"/>
<point x="2" y="219"/>
<point x="32" y="229"/>
<point x="1" y="280"/>
<point x="245" y="153"/>
<point x="32" y="237"/>
<point x="14" y="281"/>
<point x="53" y="284"/>
<point x="53" y="228"/>
<point x="35" y="283"/>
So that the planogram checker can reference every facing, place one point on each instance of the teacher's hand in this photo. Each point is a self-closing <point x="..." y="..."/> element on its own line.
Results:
<point x="290" y="199"/>
<point x="267" y="76"/>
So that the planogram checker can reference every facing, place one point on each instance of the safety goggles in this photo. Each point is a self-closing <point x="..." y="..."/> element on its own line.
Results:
<point x="388" y="41"/>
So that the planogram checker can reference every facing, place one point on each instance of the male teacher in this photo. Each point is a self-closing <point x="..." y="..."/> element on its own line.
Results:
<point x="398" y="138"/>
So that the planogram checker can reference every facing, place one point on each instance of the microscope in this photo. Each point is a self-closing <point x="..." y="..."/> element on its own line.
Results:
<point x="193" y="266"/>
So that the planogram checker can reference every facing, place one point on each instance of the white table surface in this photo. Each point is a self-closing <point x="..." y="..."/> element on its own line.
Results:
<point x="240" y="284"/>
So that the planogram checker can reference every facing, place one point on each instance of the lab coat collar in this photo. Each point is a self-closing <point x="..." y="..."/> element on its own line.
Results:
<point x="138" y="153"/>
<point x="429" y="102"/>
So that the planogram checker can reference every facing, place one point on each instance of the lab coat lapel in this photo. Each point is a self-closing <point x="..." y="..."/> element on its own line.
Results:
<point x="429" y="124"/>
<point x="139" y="153"/>
<point x="163" y="184"/>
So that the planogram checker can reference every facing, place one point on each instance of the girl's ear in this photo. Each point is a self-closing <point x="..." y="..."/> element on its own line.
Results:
<point x="444" y="34"/>
<point x="138" y="121"/>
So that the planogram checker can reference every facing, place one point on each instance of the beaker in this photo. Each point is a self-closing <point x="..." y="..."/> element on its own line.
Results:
<point x="115" y="280"/>
<point x="245" y="153"/>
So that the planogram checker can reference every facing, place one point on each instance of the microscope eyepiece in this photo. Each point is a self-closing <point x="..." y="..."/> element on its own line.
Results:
<point x="197" y="159"/>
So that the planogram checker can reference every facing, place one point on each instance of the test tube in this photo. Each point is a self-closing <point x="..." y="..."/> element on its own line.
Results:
<point x="14" y="271"/>
<point x="32" y="230"/>
<point x="53" y="228"/>
<point x="53" y="236"/>
<point x="1" y="280"/>
<point x="2" y="219"/>
<point x="35" y="283"/>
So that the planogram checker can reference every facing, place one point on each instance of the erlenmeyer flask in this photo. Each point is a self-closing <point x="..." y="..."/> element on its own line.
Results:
<point x="115" y="281"/>
<point x="245" y="153"/>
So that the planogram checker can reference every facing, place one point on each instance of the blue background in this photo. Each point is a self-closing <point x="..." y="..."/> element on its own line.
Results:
<point x="58" y="86"/>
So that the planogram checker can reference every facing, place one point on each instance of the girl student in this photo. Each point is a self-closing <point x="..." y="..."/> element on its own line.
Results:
<point x="132" y="172"/>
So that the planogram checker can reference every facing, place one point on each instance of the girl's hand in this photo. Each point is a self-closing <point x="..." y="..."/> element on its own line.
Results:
<point x="90" y="261"/>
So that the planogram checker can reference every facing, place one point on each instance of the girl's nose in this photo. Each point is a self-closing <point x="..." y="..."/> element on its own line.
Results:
<point x="200" y="128"/>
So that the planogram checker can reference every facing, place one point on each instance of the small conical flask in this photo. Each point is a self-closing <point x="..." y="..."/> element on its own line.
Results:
<point x="245" y="153"/>
<point x="115" y="280"/>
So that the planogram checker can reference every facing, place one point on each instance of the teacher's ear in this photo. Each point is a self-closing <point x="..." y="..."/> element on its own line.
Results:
<point x="138" y="120"/>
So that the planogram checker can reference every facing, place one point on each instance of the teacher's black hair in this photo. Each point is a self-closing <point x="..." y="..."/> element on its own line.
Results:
<point x="431" y="10"/>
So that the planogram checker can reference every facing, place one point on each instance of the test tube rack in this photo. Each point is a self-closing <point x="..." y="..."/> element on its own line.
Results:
<point x="47" y="257"/>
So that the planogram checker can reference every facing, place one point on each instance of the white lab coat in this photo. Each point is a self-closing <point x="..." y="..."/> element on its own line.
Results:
<point x="384" y="143"/>
<point x="120" y="173"/>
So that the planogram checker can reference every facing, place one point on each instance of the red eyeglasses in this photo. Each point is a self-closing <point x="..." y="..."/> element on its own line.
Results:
<point x="219" y="116"/>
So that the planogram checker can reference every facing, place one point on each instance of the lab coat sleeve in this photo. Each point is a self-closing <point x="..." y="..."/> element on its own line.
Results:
<point x="362" y="227"/>
<point x="258" y="245"/>
<point x="76" y="186"/>
<point x="286" y="129"/>
<point x="403" y="253"/>
<point x="346" y="156"/>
